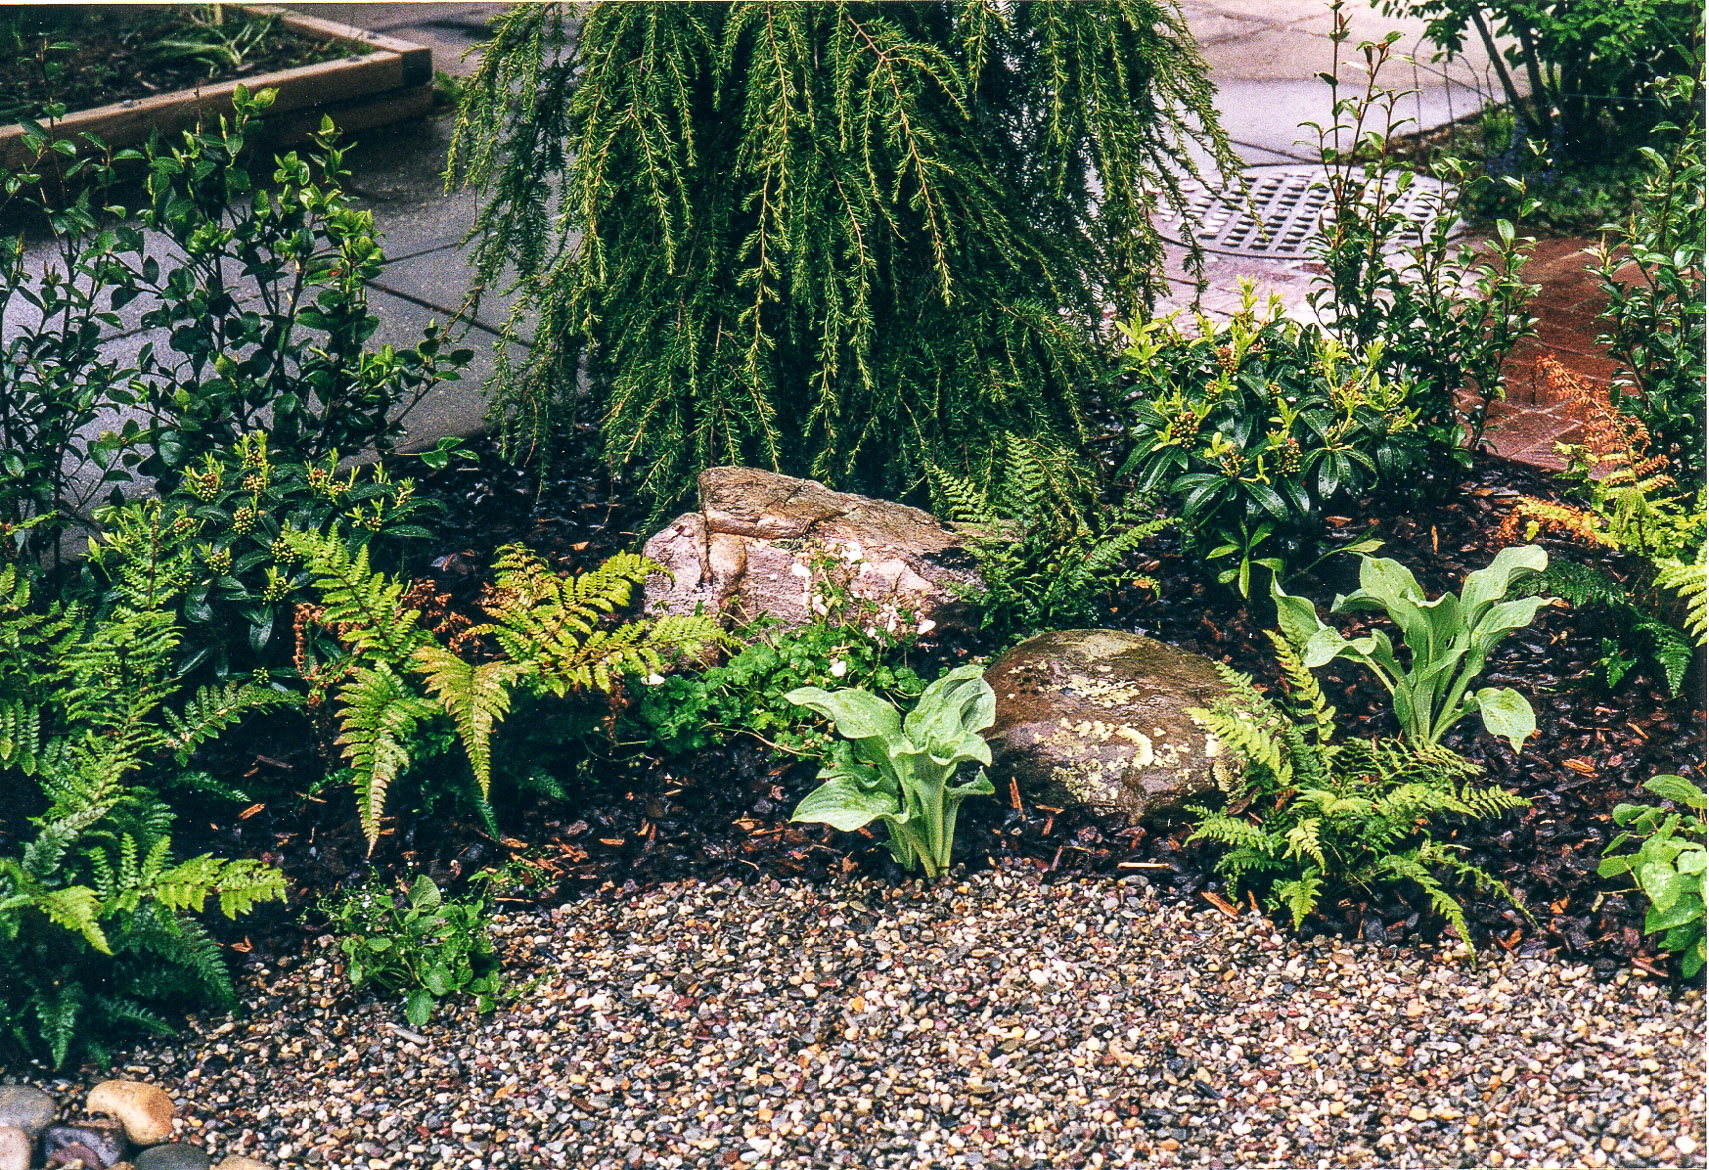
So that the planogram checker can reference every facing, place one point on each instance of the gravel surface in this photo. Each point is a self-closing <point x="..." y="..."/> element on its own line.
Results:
<point x="989" y="1021"/>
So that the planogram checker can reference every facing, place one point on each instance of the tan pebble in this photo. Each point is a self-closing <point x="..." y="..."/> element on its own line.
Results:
<point x="1685" y="1145"/>
<point x="239" y="1162"/>
<point x="144" y="1110"/>
<point x="1419" y="1113"/>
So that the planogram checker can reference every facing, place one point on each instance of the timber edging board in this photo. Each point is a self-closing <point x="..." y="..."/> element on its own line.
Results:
<point x="392" y="76"/>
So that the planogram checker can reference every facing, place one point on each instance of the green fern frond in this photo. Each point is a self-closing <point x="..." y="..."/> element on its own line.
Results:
<point x="214" y="708"/>
<point x="1690" y="582"/>
<point x="377" y="712"/>
<point x="476" y="697"/>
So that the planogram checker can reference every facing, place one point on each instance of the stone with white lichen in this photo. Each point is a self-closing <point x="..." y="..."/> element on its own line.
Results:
<point x="1099" y="718"/>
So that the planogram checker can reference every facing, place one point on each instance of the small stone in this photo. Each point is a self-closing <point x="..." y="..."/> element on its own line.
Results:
<point x="98" y="1143"/>
<point x="144" y="1110"/>
<point x="26" y="1107"/>
<point x="1419" y="1113"/>
<point x="14" y="1148"/>
<point x="174" y="1156"/>
<point x="1685" y="1145"/>
<point x="239" y="1162"/>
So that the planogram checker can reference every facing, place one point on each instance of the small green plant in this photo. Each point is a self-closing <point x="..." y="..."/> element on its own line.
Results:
<point x="424" y="946"/>
<point x="548" y="636"/>
<point x="1046" y="551"/>
<point x="1448" y="639"/>
<point x="1448" y="313"/>
<point x="902" y="771"/>
<point x="1670" y="865"/>
<point x="1256" y="428"/>
<point x="693" y="709"/>
<point x="1309" y="821"/>
<point x="1640" y="631"/>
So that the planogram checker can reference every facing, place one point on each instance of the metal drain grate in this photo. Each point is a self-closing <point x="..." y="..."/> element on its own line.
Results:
<point x="1290" y="202"/>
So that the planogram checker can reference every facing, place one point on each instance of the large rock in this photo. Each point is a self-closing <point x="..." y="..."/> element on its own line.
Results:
<point x="761" y="543"/>
<point x="1099" y="717"/>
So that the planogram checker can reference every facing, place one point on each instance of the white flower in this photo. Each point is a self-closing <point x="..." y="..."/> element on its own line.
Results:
<point x="654" y="680"/>
<point x="926" y="626"/>
<point x="839" y="668"/>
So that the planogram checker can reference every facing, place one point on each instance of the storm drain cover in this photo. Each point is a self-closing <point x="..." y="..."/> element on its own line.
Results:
<point x="1289" y="202"/>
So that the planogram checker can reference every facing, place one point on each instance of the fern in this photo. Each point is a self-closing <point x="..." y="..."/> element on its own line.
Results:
<point x="94" y="898"/>
<point x="1044" y="550"/>
<point x="213" y="709"/>
<point x="378" y="711"/>
<point x="1690" y="582"/>
<point x="554" y="635"/>
<point x="1309" y="818"/>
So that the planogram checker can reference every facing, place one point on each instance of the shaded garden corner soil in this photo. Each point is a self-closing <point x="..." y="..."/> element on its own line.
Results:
<point x="631" y="821"/>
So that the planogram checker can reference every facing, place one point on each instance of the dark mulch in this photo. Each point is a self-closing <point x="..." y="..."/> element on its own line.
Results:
<point x="633" y="821"/>
<point x="117" y="54"/>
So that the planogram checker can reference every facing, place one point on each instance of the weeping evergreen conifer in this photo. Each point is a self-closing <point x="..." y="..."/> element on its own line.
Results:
<point x="836" y="239"/>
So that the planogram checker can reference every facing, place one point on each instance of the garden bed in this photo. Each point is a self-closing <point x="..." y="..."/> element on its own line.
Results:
<point x="137" y="71"/>
<point x="633" y="821"/>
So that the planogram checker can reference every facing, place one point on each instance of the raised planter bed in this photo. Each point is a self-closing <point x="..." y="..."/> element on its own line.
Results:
<point x="382" y="80"/>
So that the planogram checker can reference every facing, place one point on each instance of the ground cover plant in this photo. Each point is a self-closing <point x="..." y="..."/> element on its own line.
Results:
<point x="867" y="238"/>
<point x="1669" y="865"/>
<point x="424" y="946"/>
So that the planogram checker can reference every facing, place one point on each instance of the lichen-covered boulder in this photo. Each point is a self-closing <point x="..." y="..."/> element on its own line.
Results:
<point x="1099" y="717"/>
<point x="767" y="544"/>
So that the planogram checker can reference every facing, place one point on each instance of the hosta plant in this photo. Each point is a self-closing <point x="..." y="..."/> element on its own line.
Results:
<point x="1309" y="821"/>
<point x="1669" y="866"/>
<point x="1448" y="639"/>
<point x="903" y="771"/>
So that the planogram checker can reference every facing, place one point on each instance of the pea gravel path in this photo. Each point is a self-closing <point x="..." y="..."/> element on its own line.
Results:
<point x="990" y="1021"/>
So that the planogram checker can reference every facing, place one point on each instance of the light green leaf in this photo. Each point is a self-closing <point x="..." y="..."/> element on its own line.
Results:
<point x="1487" y="586"/>
<point x="1677" y="789"/>
<point x="844" y="805"/>
<point x="1507" y="714"/>
<point x="858" y="714"/>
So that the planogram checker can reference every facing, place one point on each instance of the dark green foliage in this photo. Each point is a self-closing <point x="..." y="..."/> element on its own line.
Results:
<point x="1641" y="628"/>
<point x="1259" y="427"/>
<point x="295" y="358"/>
<point x="425" y="946"/>
<point x="1311" y="821"/>
<point x="840" y="240"/>
<point x="221" y="533"/>
<point x="1585" y="64"/>
<point x="1650" y="267"/>
<point x="261" y="289"/>
<point x="97" y="941"/>
<point x="1670" y="865"/>
<point x="847" y="645"/>
<point x="1446" y="312"/>
<point x="1047" y="550"/>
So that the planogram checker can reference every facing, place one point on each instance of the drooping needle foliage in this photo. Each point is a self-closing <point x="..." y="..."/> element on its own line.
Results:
<point x="842" y="240"/>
